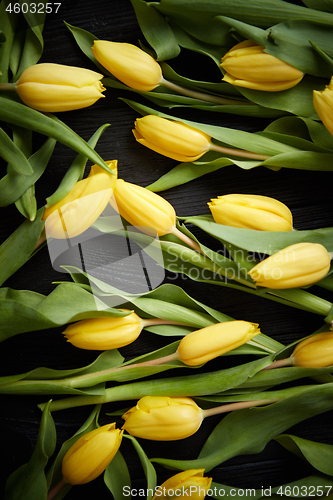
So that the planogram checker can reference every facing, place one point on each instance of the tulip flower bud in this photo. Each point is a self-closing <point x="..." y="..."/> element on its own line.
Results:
<point x="130" y="64"/>
<point x="85" y="202"/>
<point x="315" y="351"/>
<point x="248" y="65"/>
<point x="171" y="138"/>
<point x="207" y="343"/>
<point x="141" y="207"/>
<point x="323" y="103"/>
<point x="89" y="456"/>
<point x="185" y="484"/>
<point x="55" y="87"/>
<point x="294" y="266"/>
<point x="252" y="212"/>
<point x="163" y="418"/>
<point x="105" y="332"/>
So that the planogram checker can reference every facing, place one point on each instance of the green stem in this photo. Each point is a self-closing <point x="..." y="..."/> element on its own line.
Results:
<point x="238" y="152"/>
<point x="7" y="86"/>
<point x="56" y="489"/>
<point x="279" y="363"/>
<point x="201" y="95"/>
<point x="193" y="385"/>
<point x="217" y="410"/>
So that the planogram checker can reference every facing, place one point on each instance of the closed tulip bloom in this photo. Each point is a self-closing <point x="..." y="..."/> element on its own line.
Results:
<point x="170" y="138"/>
<point x="129" y="64"/>
<point x="163" y="418"/>
<point x="315" y="351"/>
<point x="141" y="207"/>
<point x="323" y="103"/>
<point x="55" y="87"/>
<point x="251" y="212"/>
<point x="85" y="202"/>
<point x="91" y="454"/>
<point x="207" y="343"/>
<point x="105" y="332"/>
<point x="186" y="484"/>
<point x="294" y="266"/>
<point x="248" y="65"/>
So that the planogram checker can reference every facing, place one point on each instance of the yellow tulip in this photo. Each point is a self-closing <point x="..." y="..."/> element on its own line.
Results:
<point x="143" y="208"/>
<point x="171" y="138"/>
<point x="315" y="351"/>
<point x="163" y="418"/>
<point x="129" y="64"/>
<point x="55" y="87"/>
<point x="248" y="65"/>
<point x="252" y="212"/>
<point x="89" y="456"/>
<point x="207" y="343"/>
<point x="294" y="266"/>
<point x="104" y="333"/>
<point x="186" y="484"/>
<point x="323" y="103"/>
<point x="85" y="202"/>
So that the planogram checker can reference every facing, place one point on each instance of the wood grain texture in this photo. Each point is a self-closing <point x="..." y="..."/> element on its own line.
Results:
<point x="308" y="195"/>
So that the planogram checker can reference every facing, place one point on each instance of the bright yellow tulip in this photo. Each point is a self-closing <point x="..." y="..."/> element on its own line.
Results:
<point x="163" y="418"/>
<point x="252" y="212"/>
<point x="91" y="454"/>
<point x="295" y="266"/>
<point x="323" y="103"/>
<point x="207" y="343"/>
<point x="143" y="208"/>
<point x="130" y="64"/>
<point x="104" y="333"/>
<point x="55" y="87"/>
<point x="248" y="65"/>
<point x="85" y="202"/>
<point x="186" y="484"/>
<point x="171" y="138"/>
<point x="315" y="351"/>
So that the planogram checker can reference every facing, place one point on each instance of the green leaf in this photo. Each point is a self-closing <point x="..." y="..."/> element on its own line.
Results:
<point x="316" y="483"/>
<point x="24" y="311"/>
<point x="117" y="477"/>
<point x="14" y="185"/>
<point x="13" y="155"/>
<point x="319" y="455"/>
<point x="263" y="242"/>
<point x="156" y="30"/>
<point x="147" y="466"/>
<point x="23" y="116"/>
<point x="75" y="171"/>
<point x="85" y="41"/>
<point x="325" y="5"/>
<point x="29" y="480"/>
<point x="27" y="204"/>
<point x="19" y="246"/>
<point x="245" y="432"/>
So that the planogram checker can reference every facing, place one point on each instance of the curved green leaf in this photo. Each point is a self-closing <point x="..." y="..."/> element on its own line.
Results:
<point x="23" y="116"/>
<point x="319" y="455"/>
<point x="14" y="185"/>
<point x="13" y="155"/>
<point x="156" y="30"/>
<point x="117" y="477"/>
<point x="29" y="480"/>
<point x="147" y="466"/>
<point x="19" y="246"/>
<point x="24" y="311"/>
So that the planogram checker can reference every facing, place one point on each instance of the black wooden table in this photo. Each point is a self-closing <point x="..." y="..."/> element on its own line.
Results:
<point x="307" y="194"/>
